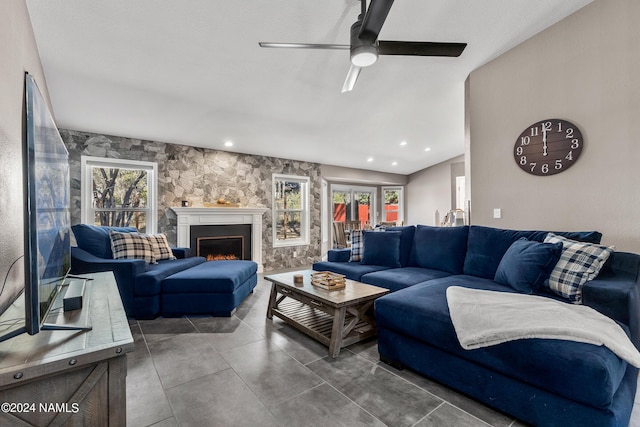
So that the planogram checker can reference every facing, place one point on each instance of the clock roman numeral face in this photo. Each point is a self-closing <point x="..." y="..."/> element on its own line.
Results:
<point x="548" y="147"/>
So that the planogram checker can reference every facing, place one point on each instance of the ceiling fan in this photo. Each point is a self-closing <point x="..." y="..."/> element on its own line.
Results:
<point x="365" y="46"/>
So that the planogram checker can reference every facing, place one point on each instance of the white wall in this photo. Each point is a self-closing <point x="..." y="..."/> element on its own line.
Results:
<point x="18" y="53"/>
<point x="429" y="190"/>
<point x="585" y="69"/>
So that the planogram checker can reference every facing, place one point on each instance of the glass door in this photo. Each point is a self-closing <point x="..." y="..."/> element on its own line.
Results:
<point x="341" y="205"/>
<point x="363" y="207"/>
<point x="392" y="209"/>
<point x="353" y="204"/>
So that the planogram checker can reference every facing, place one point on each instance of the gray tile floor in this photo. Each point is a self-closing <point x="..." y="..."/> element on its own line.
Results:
<point x="247" y="370"/>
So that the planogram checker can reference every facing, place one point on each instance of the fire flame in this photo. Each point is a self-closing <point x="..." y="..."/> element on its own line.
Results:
<point x="221" y="257"/>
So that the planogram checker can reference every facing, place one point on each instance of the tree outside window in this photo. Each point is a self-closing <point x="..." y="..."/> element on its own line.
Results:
<point x="119" y="193"/>
<point x="120" y="197"/>
<point x="290" y="210"/>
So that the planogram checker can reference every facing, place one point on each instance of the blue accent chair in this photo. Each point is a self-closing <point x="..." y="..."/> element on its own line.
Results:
<point x="171" y="288"/>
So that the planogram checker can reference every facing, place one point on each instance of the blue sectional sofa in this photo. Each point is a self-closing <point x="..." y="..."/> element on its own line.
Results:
<point x="540" y="381"/>
<point x="171" y="287"/>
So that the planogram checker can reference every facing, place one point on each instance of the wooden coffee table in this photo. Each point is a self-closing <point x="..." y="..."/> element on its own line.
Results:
<point x="336" y="318"/>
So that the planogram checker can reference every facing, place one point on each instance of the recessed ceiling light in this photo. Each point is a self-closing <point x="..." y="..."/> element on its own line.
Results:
<point x="370" y="159"/>
<point x="403" y="143"/>
<point x="427" y="149"/>
<point x="394" y="164"/>
<point x="228" y="144"/>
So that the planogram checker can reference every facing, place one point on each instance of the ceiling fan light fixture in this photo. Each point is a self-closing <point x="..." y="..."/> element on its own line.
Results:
<point x="364" y="55"/>
<point x="365" y="47"/>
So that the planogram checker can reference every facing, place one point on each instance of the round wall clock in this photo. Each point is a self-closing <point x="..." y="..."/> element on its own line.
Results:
<point x="548" y="147"/>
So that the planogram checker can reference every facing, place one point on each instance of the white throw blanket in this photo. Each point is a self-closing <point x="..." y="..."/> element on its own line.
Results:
<point x="484" y="318"/>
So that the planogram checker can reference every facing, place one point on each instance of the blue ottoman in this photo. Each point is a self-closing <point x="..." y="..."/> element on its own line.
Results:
<point x="213" y="287"/>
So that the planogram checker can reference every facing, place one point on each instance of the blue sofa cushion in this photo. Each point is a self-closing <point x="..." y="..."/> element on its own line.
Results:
<point x="580" y="236"/>
<point x="181" y="253"/>
<point x="406" y="242"/>
<point x="339" y="255"/>
<point x="95" y="239"/>
<point x="399" y="278"/>
<point x="580" y="372"/>
<point x="526" y="265"/>
<point x="440" y="248"/>
<point x="210" y="277"/>
<point x="352" y="270"/>
<point x="148" y="283"/>
<point x="614" y="294"/>
<point x="381" y="248"/>
<point x="486" y="246"/>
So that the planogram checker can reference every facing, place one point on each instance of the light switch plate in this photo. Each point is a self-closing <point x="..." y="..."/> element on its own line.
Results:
<point x="497" y="213"/>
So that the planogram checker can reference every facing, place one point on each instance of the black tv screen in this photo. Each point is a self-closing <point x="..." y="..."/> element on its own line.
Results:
<point x="47" y="219"/>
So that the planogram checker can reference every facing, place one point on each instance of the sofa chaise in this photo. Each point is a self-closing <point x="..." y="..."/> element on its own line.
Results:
<point x="180" y="284"/>
<point x="540" y="381"/>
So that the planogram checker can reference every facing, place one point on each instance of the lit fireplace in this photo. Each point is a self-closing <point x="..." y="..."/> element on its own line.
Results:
<point x="221" y="242"/>
<point x="190" y="219"/>
<point x="220" y="248"/>
<point x="221" y="257"/>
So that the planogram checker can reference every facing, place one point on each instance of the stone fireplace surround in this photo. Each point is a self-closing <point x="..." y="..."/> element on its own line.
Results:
<point x="201" y="176"/>
<point x="222" y="216"/>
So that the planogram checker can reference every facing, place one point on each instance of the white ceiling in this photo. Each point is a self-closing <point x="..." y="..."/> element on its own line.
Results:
<point x="191" y="72"/>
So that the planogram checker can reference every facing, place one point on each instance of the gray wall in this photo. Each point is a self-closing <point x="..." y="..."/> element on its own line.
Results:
<point x="18" y="53"/>
<point x="585" y="69"/>
<point x="339" y="174"/>
<point x="431" y="189"/>
<point x="202" y="176"/>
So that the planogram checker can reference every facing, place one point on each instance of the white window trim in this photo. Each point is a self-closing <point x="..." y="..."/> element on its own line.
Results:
<point x="400" y="190"/>
<point x="87" y="162"/>
<point x="305" y="214"/>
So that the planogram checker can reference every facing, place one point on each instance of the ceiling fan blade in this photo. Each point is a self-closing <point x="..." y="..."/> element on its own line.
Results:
<point x="375" y="17"/>
<point x="304" y="45"/>
<point x="352" y="76"/>
<point x="420" y="48"/>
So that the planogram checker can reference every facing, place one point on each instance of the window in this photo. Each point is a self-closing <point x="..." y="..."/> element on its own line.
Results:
<point x="354" y="204"/>
<point x="120" y="193"/>
<point x="393" y="203"/>
<point x="290" y="210"/>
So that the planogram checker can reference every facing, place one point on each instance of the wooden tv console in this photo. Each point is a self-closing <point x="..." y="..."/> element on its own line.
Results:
<point x="67" y="377"/>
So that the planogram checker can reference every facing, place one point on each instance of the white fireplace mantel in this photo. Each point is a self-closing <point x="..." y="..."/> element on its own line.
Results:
<point x="222" y="216"/>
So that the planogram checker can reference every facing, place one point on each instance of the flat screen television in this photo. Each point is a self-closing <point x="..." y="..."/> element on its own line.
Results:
<point x="48" y="218"/>
<point x="47" y="223"/>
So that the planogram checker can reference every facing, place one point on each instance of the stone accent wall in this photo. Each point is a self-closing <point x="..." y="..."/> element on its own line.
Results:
<point x="200" y="176"/>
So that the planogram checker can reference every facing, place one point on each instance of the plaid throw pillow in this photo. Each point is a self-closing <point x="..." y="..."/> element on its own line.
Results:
<point x="131" y="246"/>
<point x="160" y="245"/>
<point x="579" y="263"/>
<point x="357" y="245"/>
